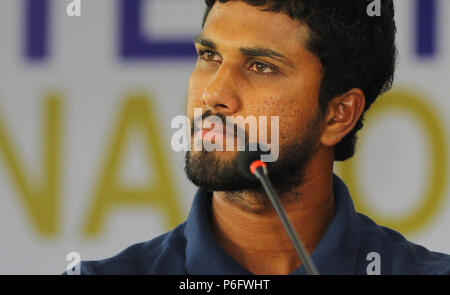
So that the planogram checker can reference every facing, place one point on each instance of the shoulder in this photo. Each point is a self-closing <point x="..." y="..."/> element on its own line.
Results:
<point x="161" y="255"/>
<point x="398" y="255"/>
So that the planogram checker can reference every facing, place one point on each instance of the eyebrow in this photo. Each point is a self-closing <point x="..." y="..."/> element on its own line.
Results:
<point x="248" y="51"/>
<point x="265" y="52"/>
<point x="205" y="42"/>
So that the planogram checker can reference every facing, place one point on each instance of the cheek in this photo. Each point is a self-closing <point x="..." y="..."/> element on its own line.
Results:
<point x="288" y="108"/>
<point x="293" y="111"/>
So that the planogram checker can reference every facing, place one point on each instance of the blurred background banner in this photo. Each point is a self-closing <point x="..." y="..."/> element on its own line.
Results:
<point x="86" y="104"/>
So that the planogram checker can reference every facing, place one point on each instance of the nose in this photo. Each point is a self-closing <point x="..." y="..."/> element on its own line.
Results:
<point x="220" y="93"/>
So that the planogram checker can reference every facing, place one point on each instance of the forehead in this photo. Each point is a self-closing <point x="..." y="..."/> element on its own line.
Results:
<point x="238" y="24"/>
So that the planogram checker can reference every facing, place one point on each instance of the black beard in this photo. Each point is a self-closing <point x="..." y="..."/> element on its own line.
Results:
<point x="208" y="172"/>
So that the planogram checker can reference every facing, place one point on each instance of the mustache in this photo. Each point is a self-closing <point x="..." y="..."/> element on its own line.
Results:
<point x="223" y="119"/>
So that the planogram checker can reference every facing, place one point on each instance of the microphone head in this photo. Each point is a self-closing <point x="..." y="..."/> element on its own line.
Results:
<point x="247" y="157"/>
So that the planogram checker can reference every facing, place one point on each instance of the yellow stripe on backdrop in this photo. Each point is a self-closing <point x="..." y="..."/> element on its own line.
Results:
<point x="137" y="114"/>
<point x="414" y="105"/>
<point x="40" y="194"/>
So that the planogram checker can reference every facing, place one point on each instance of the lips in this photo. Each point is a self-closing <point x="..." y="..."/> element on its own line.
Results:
<point x="213" y="131"/>
<point x="198" y="127"/>
<point x="217" y="134"/>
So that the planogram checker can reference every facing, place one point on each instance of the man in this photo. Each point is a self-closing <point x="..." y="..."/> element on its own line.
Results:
<point x="318" y="65"/>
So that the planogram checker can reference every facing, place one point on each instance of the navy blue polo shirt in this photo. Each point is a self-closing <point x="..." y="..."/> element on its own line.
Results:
<point x="352" y="244"/>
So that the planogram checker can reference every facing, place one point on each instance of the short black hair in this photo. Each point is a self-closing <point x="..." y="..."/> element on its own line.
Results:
<point x="356" y="50"/>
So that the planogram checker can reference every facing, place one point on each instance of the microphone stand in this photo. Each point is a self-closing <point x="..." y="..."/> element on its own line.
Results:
<point x="261" y="173"/>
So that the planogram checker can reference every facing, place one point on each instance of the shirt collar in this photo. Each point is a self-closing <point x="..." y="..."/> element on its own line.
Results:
<point x="335" y="254"/>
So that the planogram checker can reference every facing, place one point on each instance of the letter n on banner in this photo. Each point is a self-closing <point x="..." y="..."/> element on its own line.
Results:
<point x="40" y="193"/>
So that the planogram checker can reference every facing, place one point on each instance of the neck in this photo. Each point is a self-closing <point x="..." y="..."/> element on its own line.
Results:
<point x="250" y="231"/>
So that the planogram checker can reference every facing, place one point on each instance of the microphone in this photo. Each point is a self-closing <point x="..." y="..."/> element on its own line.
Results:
<point x="250" y="164"/>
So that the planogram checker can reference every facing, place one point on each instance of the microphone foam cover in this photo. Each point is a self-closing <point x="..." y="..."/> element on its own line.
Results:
<point x="246" y="158"/>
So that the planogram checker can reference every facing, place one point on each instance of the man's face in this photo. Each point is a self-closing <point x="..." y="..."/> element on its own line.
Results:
<point x="254" y="63"/>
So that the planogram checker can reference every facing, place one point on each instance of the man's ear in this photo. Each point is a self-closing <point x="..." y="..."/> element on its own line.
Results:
<point x="343" y="112"/>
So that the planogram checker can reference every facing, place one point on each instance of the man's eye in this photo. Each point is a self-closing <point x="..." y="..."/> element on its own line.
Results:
<point x="207" y="55"/>
<point x="262" y="68"/>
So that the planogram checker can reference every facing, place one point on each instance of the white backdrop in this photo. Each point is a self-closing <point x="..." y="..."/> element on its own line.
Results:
<point x="84" y="87"/>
